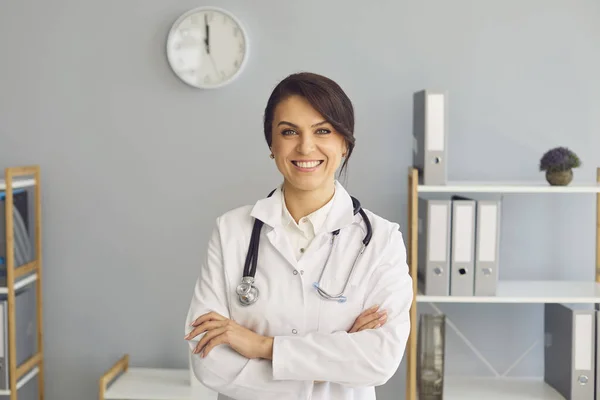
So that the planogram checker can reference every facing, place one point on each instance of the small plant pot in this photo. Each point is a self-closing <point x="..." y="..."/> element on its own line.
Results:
<point x="559" y="178"/>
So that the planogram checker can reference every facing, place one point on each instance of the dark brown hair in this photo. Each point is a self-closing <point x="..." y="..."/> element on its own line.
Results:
<point x="325" y="95"/>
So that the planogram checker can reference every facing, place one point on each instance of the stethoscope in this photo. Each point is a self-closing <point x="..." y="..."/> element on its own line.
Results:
<point x="248" y="292"/>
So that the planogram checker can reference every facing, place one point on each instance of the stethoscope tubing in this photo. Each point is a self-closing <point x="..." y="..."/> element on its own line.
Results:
<point x="248" y="292"/>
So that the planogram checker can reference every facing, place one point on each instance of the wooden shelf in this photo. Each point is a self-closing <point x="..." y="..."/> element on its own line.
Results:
<point x="508" y="291"/>
<point x="508" y="187"/>
<point x="476" y="388"/>
<point x="529" y="292"/>
<point x="18" y="277"/>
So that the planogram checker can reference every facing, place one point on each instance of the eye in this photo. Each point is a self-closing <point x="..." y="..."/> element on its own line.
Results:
<point x="323" y="131"/>
<point x="288" y="132"/>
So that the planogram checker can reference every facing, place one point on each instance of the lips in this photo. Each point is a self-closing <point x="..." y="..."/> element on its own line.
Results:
<point x="307" y="164"/>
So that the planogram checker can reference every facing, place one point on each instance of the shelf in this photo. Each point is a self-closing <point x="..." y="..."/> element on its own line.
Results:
<point x="21" y="382"/>
<point x="508" y="187"/>
<point x="17" y="183"/>
<point x="171" y="384"/>
<point x="19" y="284"/>
<point x="529" y="292"/>
<point x="156" y="384"/>
<point x="476" y="388"/>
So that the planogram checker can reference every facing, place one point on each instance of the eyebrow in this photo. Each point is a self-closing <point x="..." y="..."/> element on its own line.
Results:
<point x="296" y="126"/>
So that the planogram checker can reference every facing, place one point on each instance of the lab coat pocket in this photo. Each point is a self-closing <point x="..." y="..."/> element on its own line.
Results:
<point x="340" y="316"/>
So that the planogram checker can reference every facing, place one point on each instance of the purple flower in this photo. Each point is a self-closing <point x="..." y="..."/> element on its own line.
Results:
<point x="559" y="159"/>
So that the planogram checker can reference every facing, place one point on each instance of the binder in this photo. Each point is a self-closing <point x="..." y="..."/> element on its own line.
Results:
<point x="597" y="367"/>
<point x="570" y="346"/>
<point x="430" y="136"/>
<point x="462" y="253"/>
<point x="25" y="327"/>
<point x="487" y="247"/>
<point x="23" y="248"/>
<point x="434" y="246"/>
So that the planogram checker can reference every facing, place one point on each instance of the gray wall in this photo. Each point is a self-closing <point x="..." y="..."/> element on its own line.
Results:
<point x="136" y="165"/>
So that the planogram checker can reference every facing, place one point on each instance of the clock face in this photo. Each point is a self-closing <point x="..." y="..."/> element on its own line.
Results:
<point x="207" y="47"/>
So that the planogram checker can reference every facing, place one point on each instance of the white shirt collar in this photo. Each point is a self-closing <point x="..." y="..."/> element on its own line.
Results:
<point x="316" y="218"/>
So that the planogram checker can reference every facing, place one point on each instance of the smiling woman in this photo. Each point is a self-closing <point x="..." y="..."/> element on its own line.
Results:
<point x="309" y="127"/>
<point x="322" y="309"/>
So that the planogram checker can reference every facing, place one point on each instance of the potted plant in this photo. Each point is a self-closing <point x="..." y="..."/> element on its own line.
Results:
<point x="558" y="164"/>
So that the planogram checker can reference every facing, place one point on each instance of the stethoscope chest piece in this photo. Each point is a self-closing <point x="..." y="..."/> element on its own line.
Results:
<point x="247" y="292"/>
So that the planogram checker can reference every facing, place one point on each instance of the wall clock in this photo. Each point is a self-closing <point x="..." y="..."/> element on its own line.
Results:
<point x="207" y="47"/>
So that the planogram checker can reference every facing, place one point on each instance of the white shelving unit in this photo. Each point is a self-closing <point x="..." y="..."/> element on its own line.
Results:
<point x="529" y="292"/>
<point x="507" y="187"/>
<point x="509" y="291"/>
<point x="17" y="277"/>
<point x="121" y="382"/>
<point x="498" y="389"/>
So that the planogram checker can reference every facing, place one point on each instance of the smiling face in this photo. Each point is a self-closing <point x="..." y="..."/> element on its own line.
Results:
<point x="307" y="149"/>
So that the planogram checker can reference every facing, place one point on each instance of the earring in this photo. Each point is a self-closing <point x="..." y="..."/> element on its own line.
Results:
<point x="272" y="156"/>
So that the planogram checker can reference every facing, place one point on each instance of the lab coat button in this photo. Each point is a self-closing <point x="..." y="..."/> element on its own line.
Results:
<point x="302" y="250"/>
<point x="295" y="272"/>
<point x="294" y="331"/>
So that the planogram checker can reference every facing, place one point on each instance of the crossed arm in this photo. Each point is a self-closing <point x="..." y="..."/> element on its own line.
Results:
<point x="221" y="330"/>
<point x="251" y="366"/>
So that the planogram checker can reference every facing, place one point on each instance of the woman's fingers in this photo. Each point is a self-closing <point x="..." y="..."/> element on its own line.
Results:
<point x="207" y="338"/>
<point x="368" y="318"/>
<point x="205" y="326"/>
<point x="208" y="317"/>
<point x="221" y="338"/>
<point x="373" y="324"/>
<point x="369" y="311"/>
<point x="363" y="318"/>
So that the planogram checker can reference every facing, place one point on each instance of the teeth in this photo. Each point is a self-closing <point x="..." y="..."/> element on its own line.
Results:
<point x="307" y="164"/>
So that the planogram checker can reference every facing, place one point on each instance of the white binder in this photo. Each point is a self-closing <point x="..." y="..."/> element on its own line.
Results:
<point x="434" y="246"/>
<point x="597" y="366"/>
<point x="487" y="247"/>
<point x="569" y="351"/>
<point x="430" y="136"/>
<point x="25" y="329"/>
<point x="462" y="260"/>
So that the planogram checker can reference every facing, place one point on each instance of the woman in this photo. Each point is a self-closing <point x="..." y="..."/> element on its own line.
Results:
<point x="292" y="343"/>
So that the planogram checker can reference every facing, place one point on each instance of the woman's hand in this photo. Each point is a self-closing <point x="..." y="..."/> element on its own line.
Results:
<point x="221" y="330"/>
<point x="369" y="319"/>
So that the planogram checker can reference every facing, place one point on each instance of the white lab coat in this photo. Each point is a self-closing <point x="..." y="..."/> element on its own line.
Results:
<point x="311" y="342"/>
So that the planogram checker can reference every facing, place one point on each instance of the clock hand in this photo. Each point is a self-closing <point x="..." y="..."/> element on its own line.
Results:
<point x="207" y="30"/>
<point x="214" y="64"/>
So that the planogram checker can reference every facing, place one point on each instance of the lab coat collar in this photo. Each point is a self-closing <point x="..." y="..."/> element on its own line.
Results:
<point x="341" y="214"/>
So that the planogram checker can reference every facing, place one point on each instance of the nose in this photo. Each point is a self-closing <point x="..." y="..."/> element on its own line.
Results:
<point x="306" y="144"/>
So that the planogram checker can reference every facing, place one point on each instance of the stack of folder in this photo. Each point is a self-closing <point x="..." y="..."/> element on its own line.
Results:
<point x="458" y="237"/>
<point x="571" y="363"/>
<point x="458" y="246"/>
